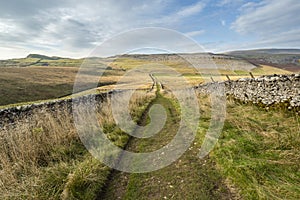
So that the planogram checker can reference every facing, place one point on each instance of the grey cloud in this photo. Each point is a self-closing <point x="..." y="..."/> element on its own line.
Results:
<point x="70" y="25"/>
<point x="20" y="8"/>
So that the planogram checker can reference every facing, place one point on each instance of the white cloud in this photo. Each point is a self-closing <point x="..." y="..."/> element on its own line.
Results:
<point x="271" y="20"/>
<point x="73" y="28"/>
<point x="180" y="15"/>
<point x="195" y="33"/>
<point x="288" y="39"/>
<point x="191" y="10"/>
<point x="229" y="2"/>
<point x="268" y="17"/>
<point x="70" y="27"/>
<point x="13" y="52"/>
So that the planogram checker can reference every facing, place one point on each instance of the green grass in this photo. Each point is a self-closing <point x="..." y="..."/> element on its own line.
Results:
<point x="86" y="180"/>
<point x="187" y="178"/>
<point x="258" y="152"/>
<point x="266" y="70"/>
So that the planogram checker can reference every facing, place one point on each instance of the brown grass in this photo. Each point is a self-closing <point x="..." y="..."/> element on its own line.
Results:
<point x="39" y="83"/>
<point x="43" y="157"/>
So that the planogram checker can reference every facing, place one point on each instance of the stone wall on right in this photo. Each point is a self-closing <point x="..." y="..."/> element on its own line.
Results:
<point x="265" y="90"/>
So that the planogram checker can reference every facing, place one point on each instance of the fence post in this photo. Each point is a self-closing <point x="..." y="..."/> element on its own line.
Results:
<point x="228" y="77"/>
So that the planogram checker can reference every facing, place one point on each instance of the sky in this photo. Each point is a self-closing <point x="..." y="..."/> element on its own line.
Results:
<point x="73" y="28"/>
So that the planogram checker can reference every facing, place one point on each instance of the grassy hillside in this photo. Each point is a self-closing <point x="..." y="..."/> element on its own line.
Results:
<point x="195" y="77"/>
<point x="32" y="83"/>
<point x="25" y="84"/>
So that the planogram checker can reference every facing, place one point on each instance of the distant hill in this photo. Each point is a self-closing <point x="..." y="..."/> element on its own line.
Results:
<point x="287" y="59"/>
<point x="44" y="57"/>
<point x="264" y="51"/>
<point x="41" y="60"/>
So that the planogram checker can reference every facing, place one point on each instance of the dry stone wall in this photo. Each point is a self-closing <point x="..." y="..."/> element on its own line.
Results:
<point x="283" y="90"/>
<point x="9" y="116"/>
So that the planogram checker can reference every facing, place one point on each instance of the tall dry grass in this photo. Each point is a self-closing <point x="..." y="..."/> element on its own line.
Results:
<point x="30" y="144"/>
<point x="42" y="156"/>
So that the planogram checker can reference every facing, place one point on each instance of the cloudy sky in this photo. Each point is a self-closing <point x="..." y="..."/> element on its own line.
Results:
<point x="74" y="28"/>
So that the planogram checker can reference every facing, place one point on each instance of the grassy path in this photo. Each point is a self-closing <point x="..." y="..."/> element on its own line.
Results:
<point x="187" y="178"/>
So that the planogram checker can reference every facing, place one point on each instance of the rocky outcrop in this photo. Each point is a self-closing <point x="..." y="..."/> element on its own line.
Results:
<point x="265" y="90"/>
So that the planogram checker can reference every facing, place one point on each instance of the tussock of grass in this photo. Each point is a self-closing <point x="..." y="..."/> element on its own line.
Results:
<point x="91" y="175"/>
